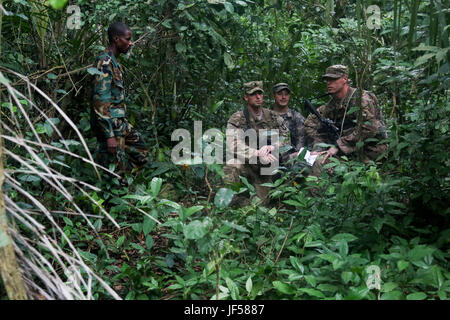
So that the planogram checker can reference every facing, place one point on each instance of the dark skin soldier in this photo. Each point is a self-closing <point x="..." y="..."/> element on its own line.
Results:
<point x="119" y="142"/>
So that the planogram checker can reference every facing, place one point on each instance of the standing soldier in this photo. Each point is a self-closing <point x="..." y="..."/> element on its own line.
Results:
<point x="293" y="119"/>
<point x="119" y="142"/>
<point x="249" y="158"/>
<point x="354" y="123"/>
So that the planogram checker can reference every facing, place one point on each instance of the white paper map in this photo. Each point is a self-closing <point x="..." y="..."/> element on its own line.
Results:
<point x="309" y="158"/>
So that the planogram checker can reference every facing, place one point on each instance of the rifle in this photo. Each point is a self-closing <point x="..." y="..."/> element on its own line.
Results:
<point x="328" y="126"/>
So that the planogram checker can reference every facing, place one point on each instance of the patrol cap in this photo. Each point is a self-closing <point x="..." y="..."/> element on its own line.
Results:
<point x="335" y="72"/>
<point x="281" y="86"/>
<point x="253" y="86"/>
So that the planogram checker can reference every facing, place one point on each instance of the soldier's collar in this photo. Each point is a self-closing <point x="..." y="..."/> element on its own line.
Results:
<point x="289" y="113"/>
<point x="112" y="56"/>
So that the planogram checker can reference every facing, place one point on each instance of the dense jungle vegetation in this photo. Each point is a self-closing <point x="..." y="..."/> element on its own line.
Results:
<point x="171" y="233"/>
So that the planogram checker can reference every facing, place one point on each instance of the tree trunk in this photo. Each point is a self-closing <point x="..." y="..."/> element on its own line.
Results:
<point x="9" y="269"/>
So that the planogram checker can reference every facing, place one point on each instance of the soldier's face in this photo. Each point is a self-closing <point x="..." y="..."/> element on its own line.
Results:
<point x="282" y="97"/>
<point x="123" y="42"/>
<point x="255" y="99"/>
<point x="336" y="85"/>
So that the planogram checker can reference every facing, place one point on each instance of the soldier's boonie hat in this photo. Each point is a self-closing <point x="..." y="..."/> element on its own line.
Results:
<point x="281" y="86"/>
<point x="335" y="72"/>
<point x="253" y="86"/>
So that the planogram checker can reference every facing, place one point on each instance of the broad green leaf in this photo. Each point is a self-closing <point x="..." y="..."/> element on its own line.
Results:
<point x="70" y="142"/>
<point x="234" y="291"/>
<point x="419" y="252"/>
<point x="228" y="60"/>
<point x="293" y="203"/>
<point x="167" y="24"/>
<point x="247" y="184"/>
<point x="170" y="203"/>
<point x="190" y="211"/>
<point x="423" y="47"/>
<point x="346" y="276"/>
<point x="196" y="230"/>
<point x="29" y="178"/>
<point x="327" y="287"/>
<point x="423" y="59"/>
<point x="180" y="47"/>
<point x="48" y="127"/>
<point x="88" y="256"/>
<point x="441" y="54"/>
<point x="210" y="267"/>
<point x="312" y="244"/>
<point x="388" y="286"/>
<point x="296" y="264"/>
<point x="3" y="80"/>
<point x="216" y="105"/>
<point x="416" y="296"/>
<point x="392" y="295"/>
<point x="378" y="224"/>
<point x="328" y="256"/>
<point x="137" y="246"/>
<point x="229" y="7"/>
<point x="249" y="285"/>
<point x="68" y="221"/>
<point x="155" y="186"/>
<point x="223" y="197"/>
<point x="148" y="225"/>
<point x="142" y="199"/>
<point x="402" y="265"/>
<point x="312" y="292"/>
<point x="283" y="287"/>
<point x="222" y="296"/>
<point x="311" y="280"/>
<point x="272" y="212"/>
<point x="120" y="241"/>
<point x="235" y="226"/>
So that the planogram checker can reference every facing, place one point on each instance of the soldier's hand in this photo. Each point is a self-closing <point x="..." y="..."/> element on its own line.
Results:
<point x="329" y="153"/>
<point x="268" y="159"/>
<point x="112" y="145"/>
<point x="264" y="151"/>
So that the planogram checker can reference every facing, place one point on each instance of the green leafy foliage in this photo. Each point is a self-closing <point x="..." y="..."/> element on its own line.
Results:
<point x="178" y="235"/>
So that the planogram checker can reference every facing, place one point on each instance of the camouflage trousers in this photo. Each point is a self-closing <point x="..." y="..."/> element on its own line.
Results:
<point x="253" y="175"/>
<point x="132" y="151"/>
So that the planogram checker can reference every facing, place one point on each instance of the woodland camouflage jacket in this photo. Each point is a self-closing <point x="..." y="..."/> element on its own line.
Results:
<point x="295" y="123"/>
<point x="268" y="120"/>
<point x="370" y="128"/>
<point x="108" y="99"/>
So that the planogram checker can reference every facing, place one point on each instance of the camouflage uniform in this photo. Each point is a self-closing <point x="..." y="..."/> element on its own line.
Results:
<point x="109" y="118"/>
<point x="352" y="130"/>
<point x="294" y="121"/>
<point x="267" y="120"/>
